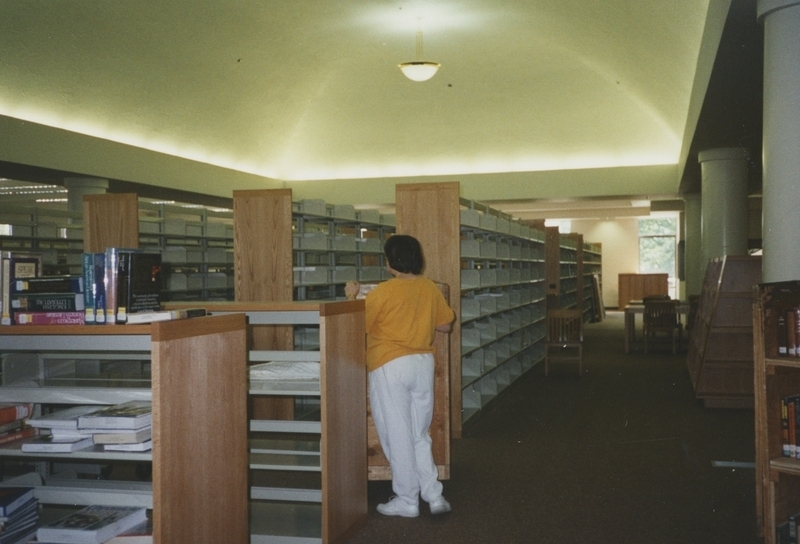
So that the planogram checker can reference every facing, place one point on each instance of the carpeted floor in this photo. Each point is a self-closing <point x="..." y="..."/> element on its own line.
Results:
<point x="625" y="454"/>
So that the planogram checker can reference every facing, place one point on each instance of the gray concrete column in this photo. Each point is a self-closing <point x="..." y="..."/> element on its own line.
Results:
<point x="723" y="202"/>
<point x="77" y="187"/>
<point x="781" y="141"/>
<point x="693" y="250"/>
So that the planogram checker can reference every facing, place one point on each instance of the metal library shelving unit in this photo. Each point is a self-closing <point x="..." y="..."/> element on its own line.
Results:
<point x="196" y="245"/>
<point x="192" y="371"/>
<point x="333" y="244"/>
<point x="777" y="377"/>
<point x="47" y="229"/>
<point x="502" y="303"/>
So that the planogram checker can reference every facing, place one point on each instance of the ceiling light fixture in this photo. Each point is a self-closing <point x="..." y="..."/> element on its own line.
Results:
<point x="419" y="70"/>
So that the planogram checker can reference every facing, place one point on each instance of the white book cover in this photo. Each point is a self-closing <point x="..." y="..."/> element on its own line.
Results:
<point x="142" y="446"/>
<point x="62" y="419"/>
<point x="92" y="525"/>
<point x="122" y="436"/>
<point x="46" y="444"/>
<point x="134" y="414"/>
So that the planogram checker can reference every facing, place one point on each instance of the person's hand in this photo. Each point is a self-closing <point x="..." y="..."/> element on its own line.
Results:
<point x="351" y="289"/>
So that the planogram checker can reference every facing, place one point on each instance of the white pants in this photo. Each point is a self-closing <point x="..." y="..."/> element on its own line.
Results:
<point x="401" y="399"/>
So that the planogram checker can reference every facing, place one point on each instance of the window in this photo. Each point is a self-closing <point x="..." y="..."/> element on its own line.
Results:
<point x="658" y="248"/>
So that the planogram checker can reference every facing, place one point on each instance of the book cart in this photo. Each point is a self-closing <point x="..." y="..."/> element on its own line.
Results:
<point x="332" y="446"/>
<point x="194" y="373"/>
<point x="775" y="377"/>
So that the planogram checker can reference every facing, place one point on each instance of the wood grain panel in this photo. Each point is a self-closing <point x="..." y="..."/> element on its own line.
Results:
<point x="110" y="220"/>
<point x="431" y="213"/>
<point x="637" y="286"/>
<point x="343" y="400"/>
<point x="200" y="465"/>
<point x="262" y="247"/>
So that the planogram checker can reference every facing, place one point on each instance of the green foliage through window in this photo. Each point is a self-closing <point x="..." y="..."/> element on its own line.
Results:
<point x="657" y="245"/>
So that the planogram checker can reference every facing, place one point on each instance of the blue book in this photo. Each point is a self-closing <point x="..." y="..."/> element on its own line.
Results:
<point x="12" y="498"/>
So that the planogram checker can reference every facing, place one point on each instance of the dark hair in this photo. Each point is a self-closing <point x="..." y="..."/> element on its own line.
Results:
<point x="404" y="253"/>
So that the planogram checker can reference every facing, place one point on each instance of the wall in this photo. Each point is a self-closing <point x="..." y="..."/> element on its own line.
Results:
<point x="620" y="240"/>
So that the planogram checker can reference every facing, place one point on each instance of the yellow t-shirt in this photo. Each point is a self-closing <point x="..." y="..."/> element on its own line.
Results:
<point x="402" y="315"/>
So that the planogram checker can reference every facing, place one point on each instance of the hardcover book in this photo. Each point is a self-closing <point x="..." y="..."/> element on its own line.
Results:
<point x="46" y="444"/>
<point x="133" y="414"/>
<point x="99" y="289"/>
<point x="139" y="283"/>
<point x="12" y="498"/>
<point x="123" y="437"/>
<point x="14" y="411"/>
<point x="92" y="525"/>
<point x="15" y="266"/>
<point x="13" y="436"/>
<point x="141" y="446"/>
<point x="87" y="264"/>
<point x="63" y="419"/>
<point x="49" y="284"/>
<point x="48" y="302"/>
<point x="50" y="318"/>
<point x="140" y="534"/>
<point x="164" y="315"/>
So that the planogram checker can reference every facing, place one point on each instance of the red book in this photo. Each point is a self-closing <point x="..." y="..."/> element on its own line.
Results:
<point x="50" y="318"/>
<point x="14" y="411"/>
<point x="17" y="435"/>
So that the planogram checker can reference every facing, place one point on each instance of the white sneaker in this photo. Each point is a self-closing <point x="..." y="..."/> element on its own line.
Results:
<point x="396" y="507"/>
<point x="439" y="506"/>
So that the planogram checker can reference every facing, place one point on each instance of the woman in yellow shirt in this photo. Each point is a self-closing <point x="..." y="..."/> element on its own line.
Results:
<point x="402" y="315"/>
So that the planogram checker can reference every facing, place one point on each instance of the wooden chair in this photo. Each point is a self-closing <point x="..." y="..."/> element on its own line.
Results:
<point x="564" y="338"/>
<point x="661" y="316"/>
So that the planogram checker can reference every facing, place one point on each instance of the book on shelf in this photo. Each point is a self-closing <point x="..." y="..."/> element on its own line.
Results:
<point x="133" y="414"/>
<point x="11" y="426"/>
<point x="13" y="436"/>
<point x="12" y="498"/>
<point x="147" y="445"/>
<point x="144" y="282"/>
<point x="45" y="443"/>
<point x="49" y="284"/>
<point x="92" y="525"/>
<point x="14" y="411"/>
<point x="164" y="315"/>
<point x="15" y="266"/>
<point x="20" y="526"/>
<point x="48" y="302"/>
<point x="139" y="534"/>
<point x="133" y="436"/>
<point x="99" y="289"/>
<point x="50" y="318"/>
<point x="66" y="418"/>
<point x="791" y="333"/>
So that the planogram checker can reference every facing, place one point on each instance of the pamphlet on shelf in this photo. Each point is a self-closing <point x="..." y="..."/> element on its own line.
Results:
<point x="164" y="315"/>
<point x="141" y="446"/>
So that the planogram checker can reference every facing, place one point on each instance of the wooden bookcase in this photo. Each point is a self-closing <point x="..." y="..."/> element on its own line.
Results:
<point x="775" y="377"/>
<point x="498" y="265"/>
<point x="197" y="384"/>
<point x="564" y="278"/>
<point x="720" y="356"/>
<point x="332" y="513"/>
<point x="637" y="286"/>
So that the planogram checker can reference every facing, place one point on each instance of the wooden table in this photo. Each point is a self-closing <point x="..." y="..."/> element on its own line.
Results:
<point x="637" y="307"/>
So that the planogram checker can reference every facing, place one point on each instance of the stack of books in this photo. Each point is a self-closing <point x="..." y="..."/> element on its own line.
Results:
<point x="121" y="427"/>
<point x="28" y="298"/>
<point x="92" y="525"/>
<point x="12" y="421"/>
<point x="19" y="514"/>
<point x="60" y="431"/>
